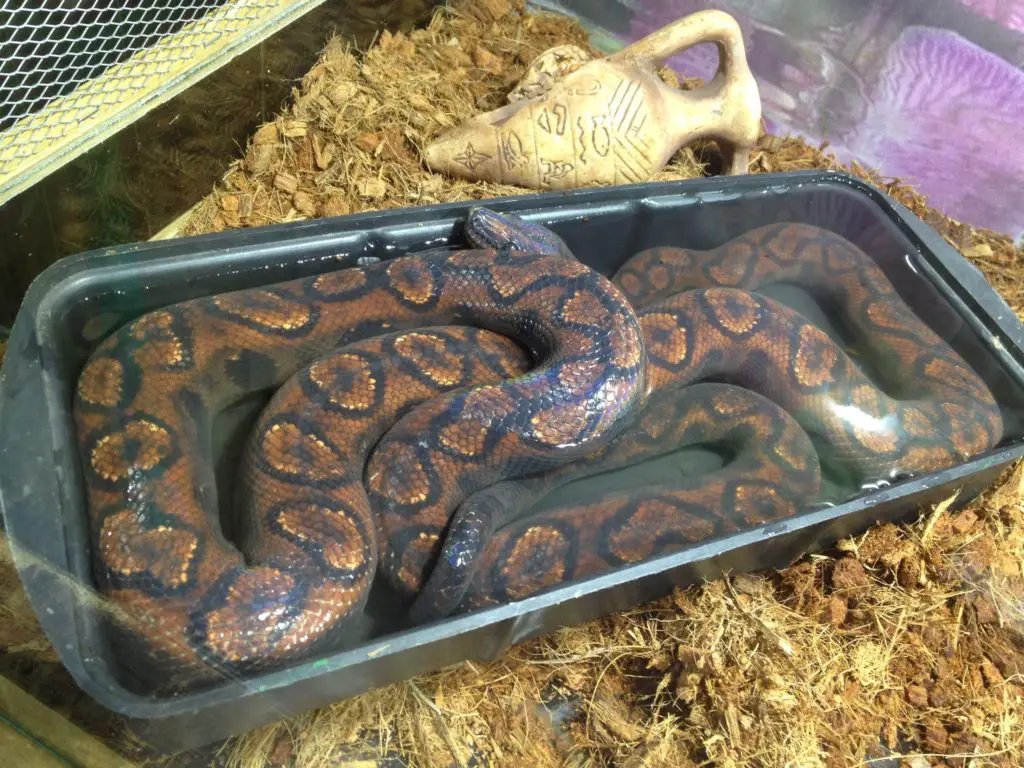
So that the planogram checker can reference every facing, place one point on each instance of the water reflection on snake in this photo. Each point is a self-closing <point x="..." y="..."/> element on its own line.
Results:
<point x="473" y="382"/>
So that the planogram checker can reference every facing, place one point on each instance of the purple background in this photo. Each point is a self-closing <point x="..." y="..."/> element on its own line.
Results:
<point x="931" y="91"/>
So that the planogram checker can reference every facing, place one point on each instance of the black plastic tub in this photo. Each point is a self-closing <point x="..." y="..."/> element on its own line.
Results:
<point x="72" y="305"/>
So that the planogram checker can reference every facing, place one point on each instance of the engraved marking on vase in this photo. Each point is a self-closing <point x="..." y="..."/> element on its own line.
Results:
<point x="470" y="158"/>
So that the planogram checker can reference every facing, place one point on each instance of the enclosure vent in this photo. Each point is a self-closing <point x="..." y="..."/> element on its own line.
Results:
<point x="74" y="72"/>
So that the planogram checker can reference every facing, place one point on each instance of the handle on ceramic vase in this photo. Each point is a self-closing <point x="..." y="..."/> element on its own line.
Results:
<point x="710" y="26"/>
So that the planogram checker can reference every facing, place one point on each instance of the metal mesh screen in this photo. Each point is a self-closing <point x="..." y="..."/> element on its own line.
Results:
<point x="74" y="71"/>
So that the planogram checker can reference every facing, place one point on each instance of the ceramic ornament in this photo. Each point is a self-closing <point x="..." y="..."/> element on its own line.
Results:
<point x="576" y="121"/>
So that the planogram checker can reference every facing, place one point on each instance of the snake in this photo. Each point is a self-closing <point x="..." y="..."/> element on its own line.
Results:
<point x="148" y="395"/>
<point x="407" y="396"/>
<point x="705" y="319"/>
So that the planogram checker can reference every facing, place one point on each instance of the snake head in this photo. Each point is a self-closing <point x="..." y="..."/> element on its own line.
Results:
<point x="488" y="229"/>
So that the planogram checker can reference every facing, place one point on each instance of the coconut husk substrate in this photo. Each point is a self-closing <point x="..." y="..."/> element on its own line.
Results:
<point x="903" y="641"/>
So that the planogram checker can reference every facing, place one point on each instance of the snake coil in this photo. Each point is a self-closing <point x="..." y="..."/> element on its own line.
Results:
<point x="418" y="406"/>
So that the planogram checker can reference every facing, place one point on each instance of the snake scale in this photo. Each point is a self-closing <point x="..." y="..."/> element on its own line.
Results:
<point x="419" y="405"/>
